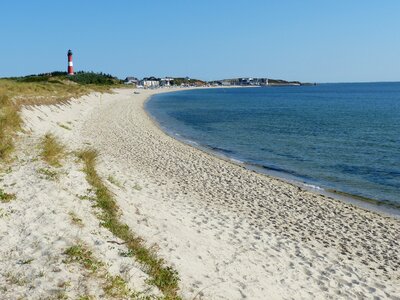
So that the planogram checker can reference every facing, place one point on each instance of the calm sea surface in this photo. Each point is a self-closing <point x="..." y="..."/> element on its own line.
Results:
<point x="344" y="137"/>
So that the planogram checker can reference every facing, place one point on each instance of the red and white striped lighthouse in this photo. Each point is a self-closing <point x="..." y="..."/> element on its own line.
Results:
<point x="70" y="64"/>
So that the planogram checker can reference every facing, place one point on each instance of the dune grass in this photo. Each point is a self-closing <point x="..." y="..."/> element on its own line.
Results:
<point x="114" y="181"/>
<point x="52" y="151"/>
<point x="114" y="287"/>
<point x="162" y="276"/>
<point x="75" y="219"/>
<point x="5" y="197"/>
<point x="44" y="90"/>
<point x="79" y="253"/>
<point x="48" y="173"/>
<point x="51" y="91"/>
<point x="10" y="122"/>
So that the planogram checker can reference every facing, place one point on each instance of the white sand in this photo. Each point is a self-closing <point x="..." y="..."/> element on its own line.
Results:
<point x="36" y="228"/>
<point x="230" y="233"/>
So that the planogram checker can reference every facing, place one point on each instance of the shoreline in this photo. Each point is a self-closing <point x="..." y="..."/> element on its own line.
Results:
<point x="288" y="191"/>
<point x="369" y="204"/>
<point x="229" y="232"/>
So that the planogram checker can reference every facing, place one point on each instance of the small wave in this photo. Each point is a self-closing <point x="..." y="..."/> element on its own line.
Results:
<point x="190" y="142"/>
<point x="236" y="161"/>
<point x="311" y="186"/>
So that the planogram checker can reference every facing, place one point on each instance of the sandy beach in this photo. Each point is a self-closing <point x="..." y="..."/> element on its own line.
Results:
<point x="230" y="233"/>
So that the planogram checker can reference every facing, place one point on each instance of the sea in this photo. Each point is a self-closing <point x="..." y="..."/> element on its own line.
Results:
<point x="338" y="138"/>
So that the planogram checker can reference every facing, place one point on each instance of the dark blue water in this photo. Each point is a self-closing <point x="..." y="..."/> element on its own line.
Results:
<point x="344" y="137"/>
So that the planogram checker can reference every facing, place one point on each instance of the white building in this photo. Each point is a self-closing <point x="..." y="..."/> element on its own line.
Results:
<point x="150" y="83"/>
<point x="166" y="81"/>
<point x="131" y="80"/>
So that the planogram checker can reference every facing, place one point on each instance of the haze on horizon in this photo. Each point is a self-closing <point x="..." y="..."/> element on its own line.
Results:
<point x="311" y="41"/>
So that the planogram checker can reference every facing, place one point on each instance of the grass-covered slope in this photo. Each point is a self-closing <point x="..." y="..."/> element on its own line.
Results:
<point x="55" y="87"/>
<point x="10" y="122"/>
<point x="50" y="88"/>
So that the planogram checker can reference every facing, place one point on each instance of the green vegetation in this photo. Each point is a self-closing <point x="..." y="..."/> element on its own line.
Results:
<point x="3" y="213"/>
<point x="52" y="150"/>
<point x="85" y="297"/>
<point x="61" y="295"/>
<point x="10" y="122"/>
<point x="5" y="197"/>
<point x="64" y="126"/>
<point x="81" y="77"/>
<point x="114" y="181"/>
<point x="48" y="174"/>
<point x="50" y="88"/>
<point x="164" y="277"/>
<point x="75" y="219"/>
<point x="26" y="261"/>
<point x="15" y="279"/>
<point x="82" y="255"/>
<point x="46" y="89"/>
<point x="94" y="78"/>
<point x="137" y="187"/>
<point x="116" y="287"/>
<point x="282" y="82"/>
<point x="129" y="253"/>
<point x="187" y="81"/>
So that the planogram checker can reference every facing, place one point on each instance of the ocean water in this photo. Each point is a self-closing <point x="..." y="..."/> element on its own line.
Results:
<point x="343" y="137"/>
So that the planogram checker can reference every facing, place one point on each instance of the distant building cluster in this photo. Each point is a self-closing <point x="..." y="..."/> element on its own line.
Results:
<point x="154" y="82"/>
<point x="247" y="81"/>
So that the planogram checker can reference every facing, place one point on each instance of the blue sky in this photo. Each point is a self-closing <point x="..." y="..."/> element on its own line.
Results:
<point x="310" y="40"/>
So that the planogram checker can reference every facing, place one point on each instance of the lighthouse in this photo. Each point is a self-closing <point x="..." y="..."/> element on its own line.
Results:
<point x="70" y="64"/>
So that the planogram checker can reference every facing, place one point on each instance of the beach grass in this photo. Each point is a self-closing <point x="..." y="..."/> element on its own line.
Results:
<point x="6" y="197"/>
<point x="162" y="276"/>
<point x="75" y="219"/>
<point x="48" y="173"/>
<point x="114" y="287"/>
<point x="79" y="253"/>
<point x="10" y="122"/>
<point x="85" y="297"/>
<point x="52" y="151"/>
<point x="114" y="181"/>
<point x="38" y="90"/>
<point x="51" y="91"/>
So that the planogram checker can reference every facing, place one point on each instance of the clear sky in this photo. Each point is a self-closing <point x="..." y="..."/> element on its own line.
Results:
<point x="310" y="40"/>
